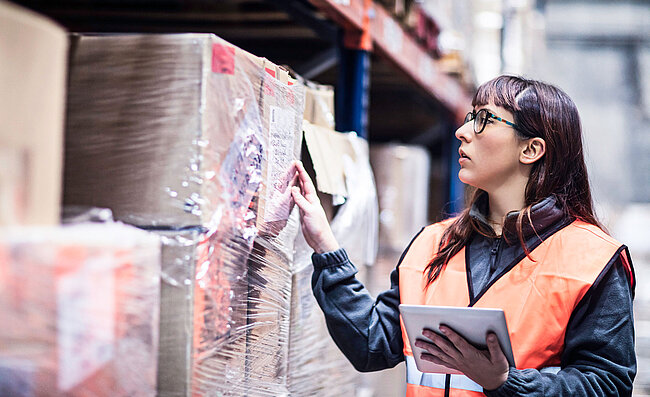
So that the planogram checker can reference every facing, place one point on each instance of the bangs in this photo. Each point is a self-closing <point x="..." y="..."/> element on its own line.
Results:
<point x="501" y="91"/>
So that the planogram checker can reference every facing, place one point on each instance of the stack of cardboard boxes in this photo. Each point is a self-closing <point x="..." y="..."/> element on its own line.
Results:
<point x="189" y="140"/>
<point x="199" y="137"/>
<point x="79" y="303"/>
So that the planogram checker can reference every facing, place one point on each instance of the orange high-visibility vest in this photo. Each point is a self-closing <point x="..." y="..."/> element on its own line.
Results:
<point x="537" y="296"/>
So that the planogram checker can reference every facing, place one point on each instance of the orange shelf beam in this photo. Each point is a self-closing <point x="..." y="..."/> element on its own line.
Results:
<point x="346" y="13"/>
<point x="394" y="43"/>
<point x="400" y="48"/>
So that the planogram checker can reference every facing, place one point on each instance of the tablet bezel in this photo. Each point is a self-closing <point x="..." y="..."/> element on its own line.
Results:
<point x="470" y="322"/>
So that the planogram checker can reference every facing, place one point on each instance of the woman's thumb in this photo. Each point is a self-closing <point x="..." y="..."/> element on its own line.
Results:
<point x="496" y="354"/>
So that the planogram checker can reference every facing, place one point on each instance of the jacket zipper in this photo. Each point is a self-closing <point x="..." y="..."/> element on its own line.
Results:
<point x="494" y="253"/>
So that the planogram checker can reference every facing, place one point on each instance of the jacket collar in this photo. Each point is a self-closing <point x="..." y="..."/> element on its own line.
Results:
<point x="544" y="215"/>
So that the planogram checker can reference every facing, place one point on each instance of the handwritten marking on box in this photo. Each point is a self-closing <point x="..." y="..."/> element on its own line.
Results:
<point x="280" y="156"/>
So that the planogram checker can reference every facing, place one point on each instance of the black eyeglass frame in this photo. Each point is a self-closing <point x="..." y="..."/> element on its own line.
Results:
<point x="472" y="116"/>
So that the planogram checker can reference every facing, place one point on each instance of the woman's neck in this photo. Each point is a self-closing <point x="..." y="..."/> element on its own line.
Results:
<point x="502" y="201"/>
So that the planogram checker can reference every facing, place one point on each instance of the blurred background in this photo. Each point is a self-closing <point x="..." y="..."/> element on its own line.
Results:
<point x="403" y="72"/>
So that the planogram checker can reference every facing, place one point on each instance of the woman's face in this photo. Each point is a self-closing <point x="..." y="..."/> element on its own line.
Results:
<point x="490" y="159"/>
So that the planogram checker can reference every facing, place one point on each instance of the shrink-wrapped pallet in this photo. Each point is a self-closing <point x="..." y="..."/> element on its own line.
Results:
<point x="33" y="59"/>
<point x="80" y="311"/>
<point x="199" y="137"/>
<point x="160" y="113"/>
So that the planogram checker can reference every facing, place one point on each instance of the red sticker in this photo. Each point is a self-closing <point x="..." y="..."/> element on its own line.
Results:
<point x="270" y="71"/>
<point x="223" y="59"/>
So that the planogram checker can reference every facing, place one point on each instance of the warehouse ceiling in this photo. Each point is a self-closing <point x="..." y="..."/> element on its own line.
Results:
<point x="287" y="32"/>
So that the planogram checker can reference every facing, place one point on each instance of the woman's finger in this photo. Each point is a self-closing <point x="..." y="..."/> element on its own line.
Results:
<point x="436" y="360"/>
<point x="443" y="344"/>
<point x="300" y="200"/>
<point x="422" y="344"/>
<point x="305" y="180"/>
<point x="294" y="180"/>
<point x="458" y="341"/>
<point x="431" y="348"/>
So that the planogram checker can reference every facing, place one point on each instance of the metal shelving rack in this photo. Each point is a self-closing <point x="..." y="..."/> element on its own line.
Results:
<point x="368" y="25"/>
<point x="414" y="100"/>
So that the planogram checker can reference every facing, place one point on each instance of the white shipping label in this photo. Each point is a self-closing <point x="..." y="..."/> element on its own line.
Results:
<point x="281" y="154"/>
<point x="86" y="320"/>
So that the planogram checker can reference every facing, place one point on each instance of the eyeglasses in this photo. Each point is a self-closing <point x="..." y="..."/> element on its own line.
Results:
<point x="481" y="117"/>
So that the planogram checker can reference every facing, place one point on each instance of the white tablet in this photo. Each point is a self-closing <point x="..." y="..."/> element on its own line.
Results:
<point x="471" y="323"/>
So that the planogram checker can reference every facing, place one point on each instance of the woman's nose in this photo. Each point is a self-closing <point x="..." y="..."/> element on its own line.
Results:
<point x="464" y="132"/>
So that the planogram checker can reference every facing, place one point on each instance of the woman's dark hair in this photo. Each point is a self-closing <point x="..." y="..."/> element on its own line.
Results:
<point x="540" y="110"/>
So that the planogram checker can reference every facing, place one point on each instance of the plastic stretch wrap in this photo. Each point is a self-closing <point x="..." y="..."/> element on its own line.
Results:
<point x="80" y="311"/>
<point x="402" y="177"/>
<point x="199" y="137"/>
<point x="316" y="365"/>
<point x="152" y="109"/>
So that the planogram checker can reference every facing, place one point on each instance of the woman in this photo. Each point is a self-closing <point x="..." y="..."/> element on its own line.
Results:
<point x="528" y="243"/>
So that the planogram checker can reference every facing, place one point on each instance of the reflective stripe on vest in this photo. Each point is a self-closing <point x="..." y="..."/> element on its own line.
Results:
<point x="461" y="382"/>
<point x="415" y="377"/>
<point x="538" y="295"/>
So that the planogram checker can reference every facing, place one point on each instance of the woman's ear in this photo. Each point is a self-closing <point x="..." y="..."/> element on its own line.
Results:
<point x="534" y="149"/>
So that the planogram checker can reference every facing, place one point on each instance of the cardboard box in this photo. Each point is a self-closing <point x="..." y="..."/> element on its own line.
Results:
<point x="32" y="99"/>
<point x="402" y="176"/>
<point x="314" y="359"/>
<point x="162" y="113"/>
<point x="269" y="305"/>
<point x="327" y="149"/>
<point x="83" y="303"/>
<point x="178" y="261"/>
<point x="319" y="105"/>
<point x="341" y="163"/>
<point x="219" y="355"/>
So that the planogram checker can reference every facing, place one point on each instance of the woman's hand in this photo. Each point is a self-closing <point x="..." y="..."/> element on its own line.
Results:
<point x="489" y="368"/>
<point x="313" y="220"/>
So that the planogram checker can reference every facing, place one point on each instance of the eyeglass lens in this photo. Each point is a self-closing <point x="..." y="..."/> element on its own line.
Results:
<point x="480" y="120"/>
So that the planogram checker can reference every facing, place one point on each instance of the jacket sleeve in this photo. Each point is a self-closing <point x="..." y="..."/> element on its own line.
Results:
<point x="366" y="330"/>
<point x="599" y="358"/>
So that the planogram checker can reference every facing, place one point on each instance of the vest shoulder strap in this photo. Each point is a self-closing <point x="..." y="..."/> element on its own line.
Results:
<point x="424" y="245"/>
